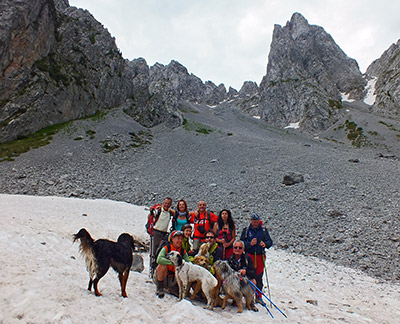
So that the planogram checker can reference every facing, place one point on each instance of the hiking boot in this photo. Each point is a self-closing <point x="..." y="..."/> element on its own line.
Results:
<point x="160" y="289"/>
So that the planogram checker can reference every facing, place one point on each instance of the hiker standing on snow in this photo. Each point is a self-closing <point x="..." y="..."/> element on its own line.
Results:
<point x="161" y="222"/>
<point x="203" y="221"/>
<point x="226" y="232"/>
<point x="256" y="239"/>
<point x="181" y="216"/>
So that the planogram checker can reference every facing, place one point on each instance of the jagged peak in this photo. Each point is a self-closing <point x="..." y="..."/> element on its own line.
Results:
<point x="298" y="25"/>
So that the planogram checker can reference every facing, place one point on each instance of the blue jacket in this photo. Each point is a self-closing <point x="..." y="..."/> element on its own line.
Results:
<point x="261" y="234"/>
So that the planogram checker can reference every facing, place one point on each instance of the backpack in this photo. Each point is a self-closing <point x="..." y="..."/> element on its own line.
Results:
<point x="154" y="214"/>
<point x="202" y="228"/>
<point x="165" y="243"/>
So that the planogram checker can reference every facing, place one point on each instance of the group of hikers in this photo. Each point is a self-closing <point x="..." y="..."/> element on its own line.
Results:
<point x="184" y="231"/>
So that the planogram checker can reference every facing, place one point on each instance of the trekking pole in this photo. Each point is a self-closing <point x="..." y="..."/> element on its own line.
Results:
<point x="266" y="276"/>
<point x="262" y="302"/>
<point x="151" y="257"/>
<point x="253" y="285"/>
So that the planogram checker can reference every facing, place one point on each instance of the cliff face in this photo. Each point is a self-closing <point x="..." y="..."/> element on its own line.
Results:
<point x="160" y="90"/>
<point x="386" y="72"/>
<point x="57" y="63"/>
<point x="306" y="74"/>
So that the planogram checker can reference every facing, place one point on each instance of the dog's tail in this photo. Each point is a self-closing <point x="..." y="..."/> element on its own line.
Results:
<point x="127" y="239"/>
<point x="86" y="248"/>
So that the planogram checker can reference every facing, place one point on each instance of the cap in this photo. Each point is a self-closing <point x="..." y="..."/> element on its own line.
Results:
<point x="175" y="233"/>
<point x="255" y="217"/>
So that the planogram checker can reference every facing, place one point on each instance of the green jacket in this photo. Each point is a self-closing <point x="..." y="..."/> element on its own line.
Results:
<point x="161" y="258"/>
<point x="186" y="244"/>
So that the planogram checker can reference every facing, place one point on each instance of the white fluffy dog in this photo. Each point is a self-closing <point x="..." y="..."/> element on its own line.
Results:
<point x="186" y="273"/>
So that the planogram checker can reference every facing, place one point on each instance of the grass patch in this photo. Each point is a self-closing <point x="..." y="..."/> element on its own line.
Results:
<point x="91" y="134"/>
<point x="355" y="134"/>
<point x="141" y="138"/>
<point x="10" y="150"/>
<point x="390" y="126"/>
<point x="192" y="126"/>
<point x="110" y="145"/>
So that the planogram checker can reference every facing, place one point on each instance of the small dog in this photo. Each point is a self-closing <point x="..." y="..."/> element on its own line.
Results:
<point x="202" y="261"/>
<point x="203" y="250"/>
<point x="186" y="273"/>
<point x="101" y="254"/>
<point x="234" y="285"/>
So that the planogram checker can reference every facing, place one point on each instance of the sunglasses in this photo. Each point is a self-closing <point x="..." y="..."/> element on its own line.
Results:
<point x="238" y="247"/>
<point x="210" y="237"/>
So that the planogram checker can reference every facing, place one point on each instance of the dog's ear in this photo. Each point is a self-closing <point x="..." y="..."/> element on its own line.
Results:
<point x="179" y="257"/>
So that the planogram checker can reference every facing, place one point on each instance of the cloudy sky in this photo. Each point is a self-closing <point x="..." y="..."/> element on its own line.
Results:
<point x="228" y="41"/>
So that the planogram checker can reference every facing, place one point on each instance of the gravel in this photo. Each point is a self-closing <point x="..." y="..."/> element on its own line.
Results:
<point x="346" y="209"/>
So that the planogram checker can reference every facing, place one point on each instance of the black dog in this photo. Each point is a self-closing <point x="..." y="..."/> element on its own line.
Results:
<point x="101" y="254"/>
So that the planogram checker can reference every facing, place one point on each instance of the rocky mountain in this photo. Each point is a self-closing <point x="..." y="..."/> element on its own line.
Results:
<point x="385" y="75"/>
<point x="160" y="91"/>
<point x="306" y="74"/>
<point x="58" y="63"/>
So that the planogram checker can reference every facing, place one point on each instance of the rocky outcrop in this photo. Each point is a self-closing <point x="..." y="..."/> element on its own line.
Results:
<point x="248" y="97"/>
<point x="306" y="74"/>
<point x="386" y="72"/>
<point x="159" y="92"/>
<point x="56" y="65"/>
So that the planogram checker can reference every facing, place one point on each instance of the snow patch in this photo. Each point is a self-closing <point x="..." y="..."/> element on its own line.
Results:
<point x="345" y="97"/>
<point x="371" y="96"/>
<point x="43" y="277"/>
<point x="294" y="125"/>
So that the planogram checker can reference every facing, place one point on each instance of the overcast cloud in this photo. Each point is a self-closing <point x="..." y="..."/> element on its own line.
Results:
<point x="228" y="41"/>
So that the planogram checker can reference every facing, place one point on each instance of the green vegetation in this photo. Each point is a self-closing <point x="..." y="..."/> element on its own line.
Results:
<point x="141" y="138"/>
<point x="53" y="67"/>
<point x="110" y="145"/>
<point x="355" y="134"/>
<point x="90" y="133"/>
<point x="192" y="126"/>
<point x="335" y="104"/>
<point x="12" y="149"/>
<point x="390" y="126"/>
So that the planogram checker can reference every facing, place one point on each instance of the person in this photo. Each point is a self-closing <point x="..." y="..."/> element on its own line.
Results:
<point x="181" y="216"/>
<point x="256" y="240"/>
<point x="166" y="266"/>
<point x="226" y="232"/>
<point x="162" y="216"/>
<point x="215" y="250"/>
<point x="203" y="220"/>
<point x="241" y="261"/>
<point x="187" y="233"/>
